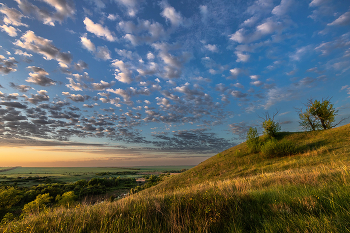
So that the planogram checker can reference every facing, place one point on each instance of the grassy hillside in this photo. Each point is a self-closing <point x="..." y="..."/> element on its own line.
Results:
<point x="234" y="191"/>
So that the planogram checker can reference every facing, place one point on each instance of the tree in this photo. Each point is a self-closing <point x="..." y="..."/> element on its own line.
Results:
<point x="270" y="126"/>
<point x="38" y="204"/>
<point x="253" y="140"/>
<point x="318" y="115"/>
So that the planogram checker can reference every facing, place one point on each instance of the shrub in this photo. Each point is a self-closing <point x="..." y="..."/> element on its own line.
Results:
<point x="253" y="141"/>
<point x="274" y="148"/>
<point x="271" y="127"/>
<point x="66" y="199"/>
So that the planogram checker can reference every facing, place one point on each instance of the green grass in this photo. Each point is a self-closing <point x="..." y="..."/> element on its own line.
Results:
<point x="234" y="191"/>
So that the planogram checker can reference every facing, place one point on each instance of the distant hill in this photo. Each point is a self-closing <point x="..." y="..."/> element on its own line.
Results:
<point x="234" y="191"/>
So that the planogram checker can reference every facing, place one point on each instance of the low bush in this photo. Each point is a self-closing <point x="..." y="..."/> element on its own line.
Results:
<point x="275" y="148"/>
<point x="253" y="141"/>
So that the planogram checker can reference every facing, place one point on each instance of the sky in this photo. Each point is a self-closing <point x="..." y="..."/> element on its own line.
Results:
<point x="145" y="83"/>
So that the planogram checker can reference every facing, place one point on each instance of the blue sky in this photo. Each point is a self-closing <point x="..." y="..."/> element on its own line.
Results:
<point x="132" y="82"/>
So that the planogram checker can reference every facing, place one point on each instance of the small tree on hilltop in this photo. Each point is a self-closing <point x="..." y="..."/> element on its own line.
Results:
<point x="308" y="121"/>
<point x="271" y="128"/>
<point x="318" y="115"/>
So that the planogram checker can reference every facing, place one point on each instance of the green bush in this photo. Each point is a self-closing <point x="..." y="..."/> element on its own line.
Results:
<point x="271" y="127"/>
<point x="274" y="148"/>
<point x="253" y="141"/>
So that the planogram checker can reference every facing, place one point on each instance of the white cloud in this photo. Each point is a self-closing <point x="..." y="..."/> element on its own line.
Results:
<point x="282" y="9"/>
<point x="102" y="85"/>
<point x="257" y="83"/>
<point x="87" y="44"/>
<point x="238" y="36"/>
<point x="241" y="57"/>
<point x="211" y="48"/>
<point x="123" y="74"/>
<point x="235" y="72"/>
<point x="315" y="3"/>
<point x="103" y="53"/>
<point x="131" y="5"/>
<point x="21" y="53"/>
<point x="64" y="9"/>
<point x="12" y="16"/>
<point x="11" y="31"/>
<point x="150" y="56"/>
<point x="250" y="22"/>
<point x="40" y="79"/>
<point x="171" y="14"/>
<point x="254" y="77"/>
<point x="204" y="12"/>
<point x="74" y="86"/>
<point x="299" y="53"/>
<point x="98" y="30"/>
<point x="112" y="17"/>
<point x="343" y="20"/>
<point x="42" y="46"/>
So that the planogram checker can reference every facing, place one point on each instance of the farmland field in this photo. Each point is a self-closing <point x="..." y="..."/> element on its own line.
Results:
<point x="72" y="174"/>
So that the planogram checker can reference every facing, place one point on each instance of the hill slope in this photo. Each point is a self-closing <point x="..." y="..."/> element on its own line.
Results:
<point x="233" y="191"/>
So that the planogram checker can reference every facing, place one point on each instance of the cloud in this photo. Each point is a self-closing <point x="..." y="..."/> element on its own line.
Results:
<point x="131" y="5"/>
<point x="103" y="53"/>
<point x="204" y="13"/>
<point x="249" y="22"/>
<point x="275" y="95"/>
<point x="7" y="65"/>
<point x="170" y="14"/>
<point x="40" y="97"/>
<point x="21" y="53"/>
<point x="102" y="85"/>
<point x="42" y="46"/>
<point x="260" y="7"/>
<point x="64" y="9"/>
<point x="211" y="48"/>
<point x="191" y="141"/>
<point x="238" y="36"/>
<point x="87" y="44"/>
<point x="129" y="92"/>
<point x="98" y="30"/>
<point x="241" y="57"/>
<point x="13" y="104"/>
<point x="256" y="83"/>
<point x="11" y="31"/>
<point x="300" y="52"/>
<point x="135" y="33"/>
<point x="78" y="97"/>
<point x="238" y="94"/>
<point x="315" y="3"/>
<point x="235" y="72"/>
<point x="122" y="74"/>
<point x="12" y="16"/>
<point x="282" y="9"/>
<point x="74" y="86"/>
<point x="239" y="129"/>
<point x="327" y="48"/>
<point x="39" y="77"/>
<point x="343" y="20"/>
<point x="270" y="26"/>
<point x="21" y="88"/>
<point x="81" y="65"/>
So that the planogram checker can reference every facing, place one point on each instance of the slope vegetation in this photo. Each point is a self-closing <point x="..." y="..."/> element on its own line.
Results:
<point x="234" y="191"/>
